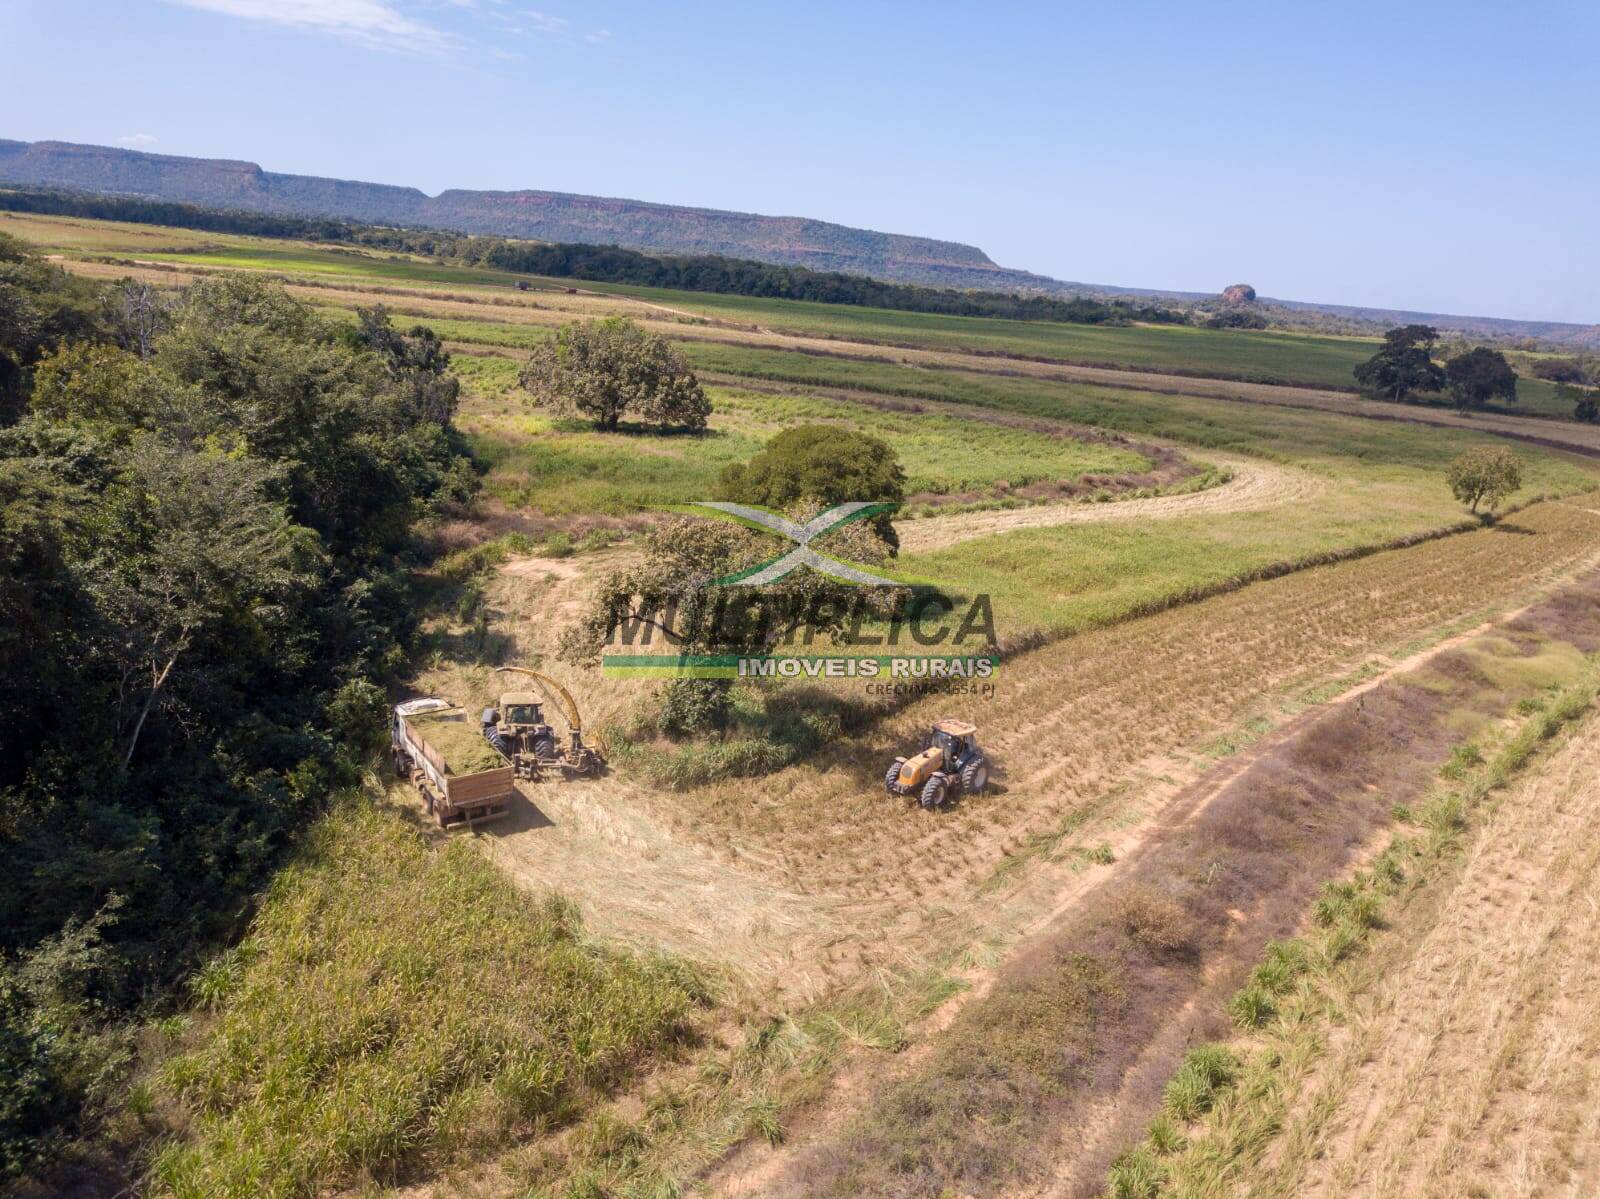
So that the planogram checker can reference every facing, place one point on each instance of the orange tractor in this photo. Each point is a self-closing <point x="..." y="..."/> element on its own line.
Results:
<point x="950" y="762"/>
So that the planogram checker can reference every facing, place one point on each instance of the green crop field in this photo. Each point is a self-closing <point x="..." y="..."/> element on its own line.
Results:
<point x="563" y="467"/>
<point x="1247" y="355"/>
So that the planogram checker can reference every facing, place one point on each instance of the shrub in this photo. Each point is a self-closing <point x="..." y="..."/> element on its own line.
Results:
<point x="1153" y="920"/>
<point x="1252" y="1007"/>
<point x="695" y="705"/>
<point x="1136" y="1174"/>
<point x="828" y="464"/>
<point x="1463" y="758"/>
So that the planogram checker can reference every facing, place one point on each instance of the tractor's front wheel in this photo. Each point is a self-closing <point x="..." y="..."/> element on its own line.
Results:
<point x="934" y="791"/>
<point x="975" y="776"/>
<point x="544" y="748"/>
<point x="891" y="779"/>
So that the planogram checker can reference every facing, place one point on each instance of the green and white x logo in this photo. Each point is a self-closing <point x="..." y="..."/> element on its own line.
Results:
<point x="802" y="535"/>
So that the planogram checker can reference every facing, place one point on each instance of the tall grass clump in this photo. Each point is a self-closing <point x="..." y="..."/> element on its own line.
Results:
<point x="1193" y="1090"/>
<point x="393" y="1007"/>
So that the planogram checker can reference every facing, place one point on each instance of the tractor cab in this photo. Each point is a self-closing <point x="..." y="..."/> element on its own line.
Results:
<point x="518" y="730"/>
<point x="521" y="710"/>
<point x="956" y="740"/>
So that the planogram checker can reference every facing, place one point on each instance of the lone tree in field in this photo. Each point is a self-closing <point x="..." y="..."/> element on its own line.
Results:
<point x="605" y="369"/>
<point x="1479" y="376"/>
<point x="826" y="463"/>
<point x="1403" y="366"/>
<point x="1485" y="476"/>
<point x="1585" y="404"/>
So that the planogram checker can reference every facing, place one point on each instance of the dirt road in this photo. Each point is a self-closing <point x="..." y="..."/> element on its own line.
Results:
<point x="1255" y="484"/>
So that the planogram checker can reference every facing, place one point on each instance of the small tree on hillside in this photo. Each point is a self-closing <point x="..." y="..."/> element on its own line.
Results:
<point x="1585" y="404"/>
<point x="1403" y="366"/>
<point x="1485" y="476"/>
<point x="605" y="369"/>
<point x="1479" y="376"/>
<point x="829" y="464"/>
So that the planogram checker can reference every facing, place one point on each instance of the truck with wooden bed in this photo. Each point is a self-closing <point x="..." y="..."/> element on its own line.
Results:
<point x="463" y="780"/>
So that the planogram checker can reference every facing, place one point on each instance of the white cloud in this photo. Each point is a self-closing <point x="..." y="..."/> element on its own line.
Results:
<point x="545" y="22"/>
<point x="137" y="140"/>
<point x="370" y="22"/>
<point x="599" y="35"/>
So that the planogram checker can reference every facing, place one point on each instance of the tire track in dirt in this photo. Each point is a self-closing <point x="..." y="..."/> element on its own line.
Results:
<point x="1255" y="485"/>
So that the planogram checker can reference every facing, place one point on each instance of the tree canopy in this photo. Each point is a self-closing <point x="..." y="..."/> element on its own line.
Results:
<point x="1403" y="366"/>
<point x="206" y="514"/>
<point x="828" y="464"/>
<point x="609" y="368"/>
<point x="605" y="264"/>
<point x="1485" y="476"/>
<point x="1480" y="376"/>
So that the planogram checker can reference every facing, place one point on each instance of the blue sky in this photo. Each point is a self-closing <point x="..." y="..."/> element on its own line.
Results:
<point x="1441" y="157"/>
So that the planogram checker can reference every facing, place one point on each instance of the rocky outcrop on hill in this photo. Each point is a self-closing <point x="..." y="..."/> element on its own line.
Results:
<point x="1239" y="293"/>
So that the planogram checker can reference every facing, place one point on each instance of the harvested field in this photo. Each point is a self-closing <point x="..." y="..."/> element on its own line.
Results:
<point x="1090" y="733"/>
<point x="1041" y="1082"/>
<point x="1467" y="1061"/>
<point x="1073" y="721"/>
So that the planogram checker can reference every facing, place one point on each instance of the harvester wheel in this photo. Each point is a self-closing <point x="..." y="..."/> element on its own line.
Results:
<point x="544" y="747"/>
<point x="934" y="791"/>
<point x="893" y="777"/>
<point x="975" y="776"/>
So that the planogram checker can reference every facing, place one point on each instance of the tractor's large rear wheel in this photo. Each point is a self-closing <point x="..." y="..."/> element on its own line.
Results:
<point x="892" y="779"/>
<point x="934" y="791"/>
<point x="975" y="776"/>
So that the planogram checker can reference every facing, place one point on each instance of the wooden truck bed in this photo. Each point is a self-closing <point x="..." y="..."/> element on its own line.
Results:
<point x="456" y="799"/>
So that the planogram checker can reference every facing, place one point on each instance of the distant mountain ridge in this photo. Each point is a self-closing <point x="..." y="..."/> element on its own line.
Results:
<point x="635" y="224"/>
<point x="540" y="215"/>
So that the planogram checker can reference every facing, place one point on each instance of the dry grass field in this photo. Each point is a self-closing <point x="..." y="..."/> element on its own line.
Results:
<point x="1085" y="1035"/>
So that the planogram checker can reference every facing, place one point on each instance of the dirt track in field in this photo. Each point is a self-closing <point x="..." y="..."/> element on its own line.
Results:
<point x="1255" y="484"/>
